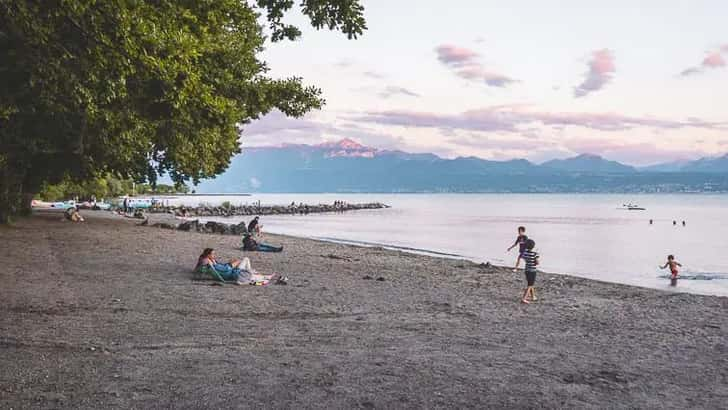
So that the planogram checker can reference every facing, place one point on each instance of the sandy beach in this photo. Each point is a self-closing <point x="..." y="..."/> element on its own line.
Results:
<point x="105" y="314"/>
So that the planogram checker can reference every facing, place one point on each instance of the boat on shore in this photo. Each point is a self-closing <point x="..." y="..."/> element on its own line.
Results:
<point x="37" y="204"/>
<point x="632" y="207"/>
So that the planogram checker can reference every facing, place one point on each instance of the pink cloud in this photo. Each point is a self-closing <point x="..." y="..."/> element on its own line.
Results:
<point x="490" y="78"/>
<point x="601" y="70"/>
<point x="276" y="128"/>
<point x="714" y="59"/>
<point x="518" y="119"/>
<point x="456" y="56"/>
<point x="464" y="62"/>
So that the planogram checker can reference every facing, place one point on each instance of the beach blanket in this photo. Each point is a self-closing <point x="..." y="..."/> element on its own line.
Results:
<point x="244" y="276"/>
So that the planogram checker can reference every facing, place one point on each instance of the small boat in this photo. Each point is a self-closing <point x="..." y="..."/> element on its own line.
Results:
<point x="95" y="205"/>
<point x="632" y="207"/>
<point x="37" y="204"/>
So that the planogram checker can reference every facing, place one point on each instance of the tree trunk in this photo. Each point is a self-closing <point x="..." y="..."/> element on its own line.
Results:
<point x="6" y="202"/>
<point x="10" y="187"/>
<point x="4" y="209"/>
<point x="30" y="186"/>
<point x="26" y="202"/>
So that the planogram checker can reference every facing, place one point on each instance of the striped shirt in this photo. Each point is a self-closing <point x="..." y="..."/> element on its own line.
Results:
<point x="531" y="259"/>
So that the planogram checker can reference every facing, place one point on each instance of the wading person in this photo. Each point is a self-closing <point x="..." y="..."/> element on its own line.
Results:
<point x="521" y="243"/>
<point x="673" y="265"/>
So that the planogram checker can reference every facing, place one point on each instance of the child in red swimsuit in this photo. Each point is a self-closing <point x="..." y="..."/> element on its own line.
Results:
<point x="673" y="264"/>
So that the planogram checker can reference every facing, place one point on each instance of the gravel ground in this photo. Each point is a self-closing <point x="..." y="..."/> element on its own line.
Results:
<point x="105" y="314"/>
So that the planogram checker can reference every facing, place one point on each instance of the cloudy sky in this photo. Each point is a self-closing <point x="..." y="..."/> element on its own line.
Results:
<point x="636" y="81"/>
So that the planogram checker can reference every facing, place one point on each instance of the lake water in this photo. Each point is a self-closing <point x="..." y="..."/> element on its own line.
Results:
<point x="585" y="235"/>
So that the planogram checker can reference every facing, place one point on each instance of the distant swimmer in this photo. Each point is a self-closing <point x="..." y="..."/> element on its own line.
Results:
<point x="650" y="221"/>
<point x="521" y="242"/>
<point x="674" y="223"/>
<point x="673" y="264"/>
<point x="683" y="223"/>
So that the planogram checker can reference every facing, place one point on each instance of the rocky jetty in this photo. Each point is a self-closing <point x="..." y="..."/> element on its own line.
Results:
<point x="252" y="210"/>
<point x="165" y="216"/>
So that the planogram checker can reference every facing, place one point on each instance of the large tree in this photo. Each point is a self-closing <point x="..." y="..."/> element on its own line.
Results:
<point x="139" y="88"/>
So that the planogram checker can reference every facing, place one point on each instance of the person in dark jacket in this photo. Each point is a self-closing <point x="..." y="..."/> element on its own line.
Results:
<point x="250" y="244"/>
<point x="254" y="226"/>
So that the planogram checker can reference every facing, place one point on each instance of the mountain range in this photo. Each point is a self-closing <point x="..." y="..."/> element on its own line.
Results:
<point x="347" y="166"/>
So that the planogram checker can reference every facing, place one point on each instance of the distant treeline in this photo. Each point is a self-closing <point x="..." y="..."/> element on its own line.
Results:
<point x="103" y="187"/>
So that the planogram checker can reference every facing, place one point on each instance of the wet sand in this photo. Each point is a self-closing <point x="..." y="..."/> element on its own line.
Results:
<point x="105" y="314"/>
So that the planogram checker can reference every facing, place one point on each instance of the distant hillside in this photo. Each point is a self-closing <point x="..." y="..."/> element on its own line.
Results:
<point x="675" y="166"/>
<point x="589" y="163"/>
<point x="347" y="166"/>
<point x="719" y="165"/>
<point x="702" y="165"/>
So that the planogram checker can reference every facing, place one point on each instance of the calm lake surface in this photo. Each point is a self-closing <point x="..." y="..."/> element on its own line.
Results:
<point x="585" y="235"/>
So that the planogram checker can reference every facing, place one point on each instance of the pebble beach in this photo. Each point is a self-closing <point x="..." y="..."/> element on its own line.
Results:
<point x="107" y="314"/>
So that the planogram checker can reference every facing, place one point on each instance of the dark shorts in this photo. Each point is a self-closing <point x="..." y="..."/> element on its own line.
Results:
<point x="530" y="277"/>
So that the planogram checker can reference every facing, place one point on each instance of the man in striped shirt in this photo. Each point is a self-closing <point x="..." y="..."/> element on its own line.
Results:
<point x="531" y="259"/>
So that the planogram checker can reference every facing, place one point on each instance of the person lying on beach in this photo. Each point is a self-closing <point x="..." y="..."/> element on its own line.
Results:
<point x="254" y="227"/>
<point x="673" y="264"/>
<point x="238" y="271"/>
<point x="250" y="244"/>
<point x="521" y="243"/>
<point x="531" y="259"/>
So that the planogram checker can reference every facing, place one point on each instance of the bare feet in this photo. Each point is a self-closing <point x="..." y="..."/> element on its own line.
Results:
<point x="524" y="301"/>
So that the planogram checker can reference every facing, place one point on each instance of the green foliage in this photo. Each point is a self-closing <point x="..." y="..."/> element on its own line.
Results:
<point x="227" y="205"/>
<point x="103" y="187"/>
<point x="140" y="88"/>
<point x="344" y="15"/>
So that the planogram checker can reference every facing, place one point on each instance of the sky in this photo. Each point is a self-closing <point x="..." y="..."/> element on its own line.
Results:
<point x="641" y="82"/>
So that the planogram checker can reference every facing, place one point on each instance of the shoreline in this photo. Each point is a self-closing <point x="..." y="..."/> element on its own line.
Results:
<point x="113" y="318"/>
<point x="170" y="219"/>
<point x="461" y="258"/>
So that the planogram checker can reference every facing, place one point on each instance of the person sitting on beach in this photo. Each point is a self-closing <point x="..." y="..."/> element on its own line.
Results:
<point x="531" y="259"/>
<point x="238" y="271"/>
<point x="230" y="271"/>
<point x="673" y="264"/>
<point x="521" y="242"/>
<point x="254" y="227"/>
<point x="73" y="215"/>
<point x="250" y="244"/>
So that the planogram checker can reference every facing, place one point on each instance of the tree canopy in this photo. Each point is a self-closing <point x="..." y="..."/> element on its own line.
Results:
<point x="138" y="88"/>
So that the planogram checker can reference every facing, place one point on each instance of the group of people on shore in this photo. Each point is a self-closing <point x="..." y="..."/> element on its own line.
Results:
<point x="531" y="260"/>
<point x="240" y="271"/>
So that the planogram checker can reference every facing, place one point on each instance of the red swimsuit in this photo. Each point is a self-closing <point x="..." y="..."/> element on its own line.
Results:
<point x="673" y="269"/>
